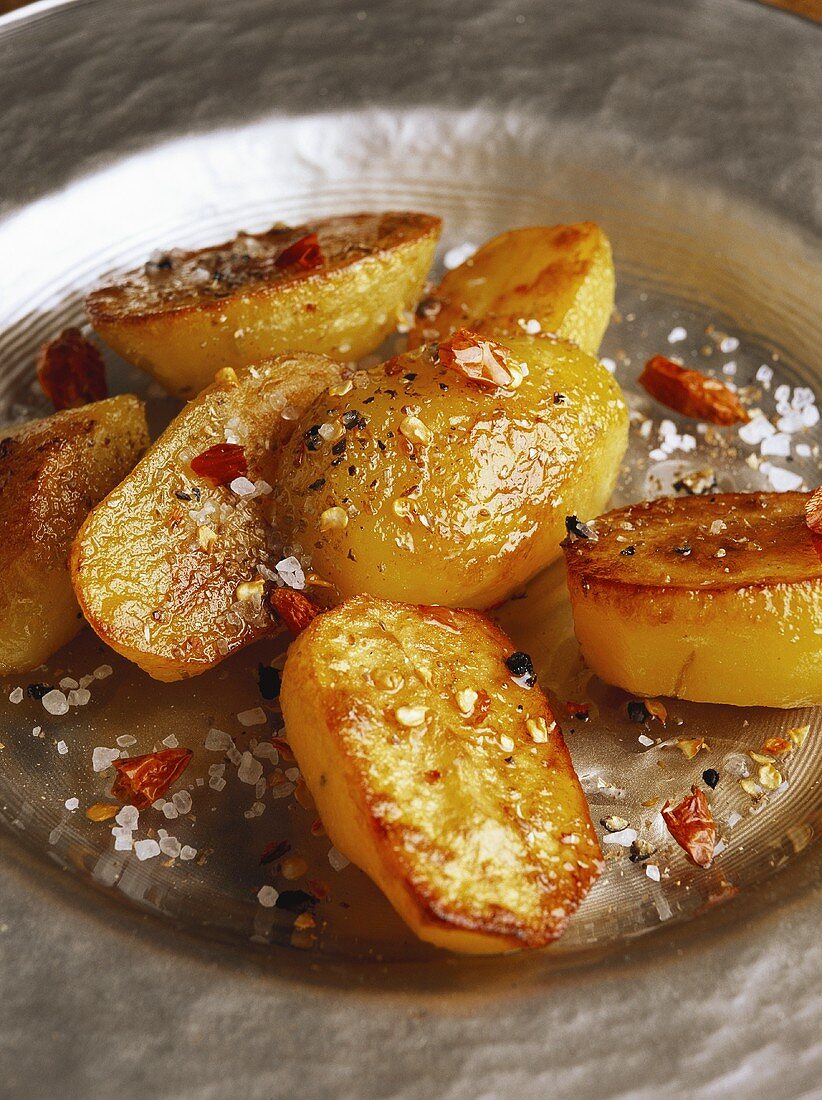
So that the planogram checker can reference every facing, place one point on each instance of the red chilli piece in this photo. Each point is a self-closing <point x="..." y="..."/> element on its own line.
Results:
<point x="304" y="254"/>
<point x="141" y="780"/>
<point x="692" y="393"/>
<point x="71" y="371"/>
<point x="479" y="360"/>
<point x="221" y="463"/>
<point x="691" y="824"/>
<point x="295" y="609"/>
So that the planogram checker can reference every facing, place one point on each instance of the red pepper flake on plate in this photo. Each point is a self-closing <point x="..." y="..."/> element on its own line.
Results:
<point x="295" y="609"/>
<point x="691" y="824"/>
<point x="141" y="780"/>
<point x="71" y="371"/>
<point x="221" y="464"/>
<point x="692" y="393"/>
<point x="481" y="361"/>
<point x="304" y="254"/>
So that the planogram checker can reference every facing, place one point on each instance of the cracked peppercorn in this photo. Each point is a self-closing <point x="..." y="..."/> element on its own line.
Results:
<point x="521" y="667"/>
<point x="710" y="777"/>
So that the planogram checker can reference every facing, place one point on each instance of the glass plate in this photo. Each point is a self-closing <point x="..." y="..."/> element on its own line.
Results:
<point x="737" y="279"/>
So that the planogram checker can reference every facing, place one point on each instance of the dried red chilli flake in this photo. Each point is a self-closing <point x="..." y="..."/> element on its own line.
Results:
<point x="304" y="254"/>
<point x="691" y="824"/>
<point x="274" y="851"/>
<point x="141" y="780"/>
<point x="479" y="360"/>
<point x="295" y="609"/>
<point x="578" y="710"/>
<point x="692" y="393"/>
<point x="318" y="888"/>
<point x="221" y="464"/>
<point x="71" y="371"/>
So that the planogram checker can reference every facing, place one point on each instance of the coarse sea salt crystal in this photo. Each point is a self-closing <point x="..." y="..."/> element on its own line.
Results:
<point x="217" y="783"/>
<point x="733" y="819"/>
<point x="266" y="751"/>
<point x="609" y="364"/>
<point x="652" y="871"/>
<point x="62" y="748"/>
<point x="182" y="800"/>
<point x="764" y="374"/>
<point x="782" y="480"/>
<point x="102" y="672"/>
<point x="728" y="344"/>
<point x="291" y="572"/>
<point x="282" y="790"/>
<point x="256" y="809"/>
<point x="458" y="255"/>
<point x="645" y="740"/>
<point x="242" y="487"/>
<point x="72" y="803"/>
<point x="102" y="758"/>
<point x="124" y="842"/>
<point x="250" y="769"/>
<point x="624" y="838"/>
<point x="78" y="697"/>
<point x="170" y="811"/>
<point x="170" y="846"/>
<point x="16" y="696"/>
<point x="531" y="326"/>
<point x="171" y="741"/>
<point x="55" y="702"/>
<point x="187" y="852"/>
<point x="778" y="445"/>
<point x="125" y="740"/>
<point x="677" y="335"/>
<point x="128" y="817"/>
<point x="146" y="849"/>
<point x="757" y="429"/>
<point x="256" y="716"/>
<point x="337" y="860"/>
<point x="267" y="897"/>
<point x="218" y="741"/>
<point x="67" y="683"/>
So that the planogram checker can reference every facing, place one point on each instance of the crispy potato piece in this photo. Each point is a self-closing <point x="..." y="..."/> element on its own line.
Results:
<point x="166" y="569"/>
<point x="720" y="599"/>
<point x="52" y="473"/>
<point x="561" y="276"/>
<point x="191" y="313"/>
<point x="435" y="489"/>
<point x="438" y="774"/>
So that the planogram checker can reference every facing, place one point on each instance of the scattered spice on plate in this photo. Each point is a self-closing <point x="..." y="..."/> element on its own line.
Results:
<point x="691" y="393"/>
<point x="221" y="464"/>
<point x="521" y="667"/>
<point x="691" y="824"/>
<point x="71" y="371"/>
<point x="141" y="780"/>
<point x="711" y="778"/>
<point x="294" y="608"/>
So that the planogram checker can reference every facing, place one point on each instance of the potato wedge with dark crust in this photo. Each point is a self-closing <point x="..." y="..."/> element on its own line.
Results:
<point x="52" y="473"/>
<point x="167" y="568"/>
<point x="431" y="487"/>
<point x="561" y="276"/>
<point x="335" y="286"/>
<point x="438" y="774"/>
<point x="716" y="598"/>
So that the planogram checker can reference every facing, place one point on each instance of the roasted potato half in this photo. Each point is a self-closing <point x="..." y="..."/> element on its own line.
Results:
<point x="445" y="779"/>
<point x="168" y="568"/>
<point x="335" y="286"/>
<point x="52" y="473"/>
<point x="713" y="598"/>
<point x="561" y="276"/>
<point x="422" y="485"/>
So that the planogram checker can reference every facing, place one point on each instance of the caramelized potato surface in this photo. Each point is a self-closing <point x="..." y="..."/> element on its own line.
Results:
<point x="189" y="314"/>
<point x="561" y="276"/>
<point x="167" y="568"/>
<point x="437" y="773"/>
<point x="712" y="598"/>
<point x="431" y="489"/>
<point x="52" y="473"/>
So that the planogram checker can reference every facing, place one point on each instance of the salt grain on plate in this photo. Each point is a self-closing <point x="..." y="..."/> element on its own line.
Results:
<point x="254" y="717"/>
<point x="778" y="445"/>
<point x="216" y="782"/>
<point x="72" y="803"/>
<point x="102" y="672"/>
<point x="102" y="758"/>
<point x="170" y="846"/>
<point x="187" y="852"/>
<point x="624" y="838"/>
<point x="765" y="374"/>
<point x="55" y="702"/>
<point x="123" y="843"/>
<point x="458" y="255"/>
<point x="282" y="790"/>
<point x="250" y="769"/>
<point x="182" y="800"/>
<point x="729" y="368"/>
<point x="728" y="344"/>
<point x="802" y="450"/>
<point x="266" y="751"/>
<point x="757" y="429"/>
<point x="677" y="335"/>
<point x="62" y="748"/>
<point x="782" y="480"/>
<point x="125" y="740"/>
<point x="78" y="697"/>
<point x="645" y="740"/>
<point x="128" y="817"/>
<point x="256" y="809"/>
<point x="146" y="849"/>
<point x="217" y="741"/>
<point x="267" y="897"/>
<point x="652" y="871"/>
<point x="293" y="774"/>
<point x="291" y="572"/>
<point x="171" y="741"/>
<point x="242" y="487"/>
<point x="609" y="364"/>
<point x="16" y="695"/>
<point x="170" y="811"/>
<point x="337" y="860"/>
<point x="733" y="819"/>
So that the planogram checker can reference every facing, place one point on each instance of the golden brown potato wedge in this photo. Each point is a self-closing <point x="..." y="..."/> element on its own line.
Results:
<point x="713" y="598"/>
<point x="52" y="473"/>
<point x="430" y="488"/>
<point x="561" y="276"/>
<point x="445" y="779"/>
<point x="335" y="286"/>
<point x="168" y="568"/>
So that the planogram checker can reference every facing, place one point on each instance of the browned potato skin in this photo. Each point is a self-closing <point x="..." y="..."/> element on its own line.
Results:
<point x="182" y="331"/>
<point x="495" y="484"/>
<point x="561" y="276"/>
<point x="52" y="473"/>
<point x="481" y="847"/>
<point x="145" y="582"/>
<point x="743" y="628"/>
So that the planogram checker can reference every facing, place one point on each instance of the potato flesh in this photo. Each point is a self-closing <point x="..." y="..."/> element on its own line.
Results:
<point x="52" y="473"/>
<point x="149" y="577"/>
<point x="742" y="627"/>
<point x="469" y="518"/>
<point x="479" y="835"/>
<point x="182" y="330"/>
<point x="561" y="276"/>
